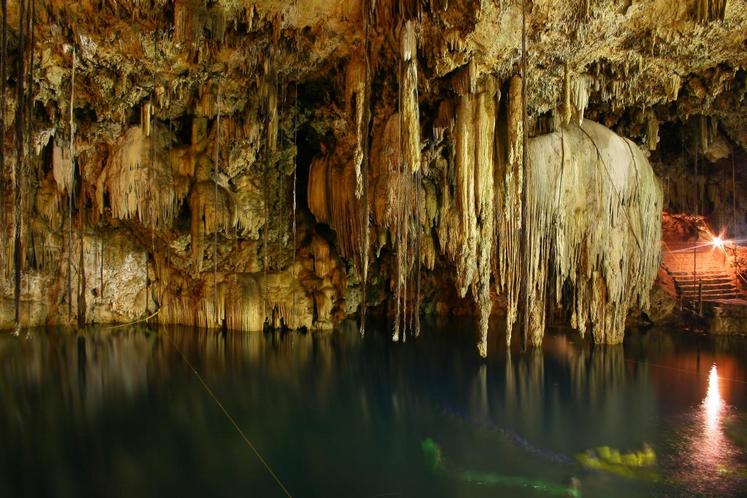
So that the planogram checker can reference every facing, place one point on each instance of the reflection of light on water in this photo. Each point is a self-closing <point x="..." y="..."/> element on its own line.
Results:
<point x="710" y="452"/>
<point x="713" y="404"/>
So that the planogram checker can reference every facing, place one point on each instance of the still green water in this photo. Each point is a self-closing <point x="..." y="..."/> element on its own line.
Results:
<point x="119" y="413"/>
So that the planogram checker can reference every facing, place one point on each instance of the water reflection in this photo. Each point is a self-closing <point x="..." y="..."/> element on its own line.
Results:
<point x="125" y="406"/>
<point x="713" y="405"/>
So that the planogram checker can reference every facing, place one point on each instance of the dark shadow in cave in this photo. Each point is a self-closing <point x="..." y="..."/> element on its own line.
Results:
<point x="309" y="144"/>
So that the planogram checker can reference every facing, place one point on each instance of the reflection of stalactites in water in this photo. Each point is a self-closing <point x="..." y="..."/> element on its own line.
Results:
<point x="479" y="404"/>
<point x="525" y="382"/>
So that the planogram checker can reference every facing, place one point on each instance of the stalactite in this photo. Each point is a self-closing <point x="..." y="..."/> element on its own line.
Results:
<point x="567" y="110"/>
<point x="213" y="210"/>
<point x="409" y="96"/>
<point x="365" y="221"/>
<point x="511" y="224"/>
<point x="408" y="163"/>
<point x="295" y="181"/>
<point x="101" y="269"/>
<point x="216" y="170"/>
<point x="526" y="264"/>
<point x="27" y="202"/>
<point x="467" y="230"/>
<point x="672" y="87"/>
<point x="485" y="110"/>
<point x="652" y="131"/>
<point x="271" y="128"/>
<point x="68" y="184"/>
<point x="603" y="249"/>
<point x="706" y="11"/>
<point x="464" y="245"/>
<point x="3" y="79"/>
<point x="81" y="262"/>
<point x="138" y="188"/>
<point x="18" y="169"/>
<point x="355" y="99"/>
<point x="145" y="112"/>
<point x="580" y="87"/>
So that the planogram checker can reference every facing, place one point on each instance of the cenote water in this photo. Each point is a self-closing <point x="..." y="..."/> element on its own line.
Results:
<point x="121" y="413"/>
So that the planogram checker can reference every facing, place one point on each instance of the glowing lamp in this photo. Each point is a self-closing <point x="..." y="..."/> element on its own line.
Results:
<point x="717" y="242"/>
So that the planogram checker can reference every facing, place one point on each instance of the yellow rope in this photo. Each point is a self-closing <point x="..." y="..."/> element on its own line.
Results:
<point x="229" y="417"/>
<point x="121" y="325"/>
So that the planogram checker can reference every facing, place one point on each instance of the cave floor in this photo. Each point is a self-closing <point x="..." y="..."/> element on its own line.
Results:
<point x="124" y="413"/>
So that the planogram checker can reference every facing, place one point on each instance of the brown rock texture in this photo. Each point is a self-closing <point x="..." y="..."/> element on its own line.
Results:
<point x="226" y="163"/>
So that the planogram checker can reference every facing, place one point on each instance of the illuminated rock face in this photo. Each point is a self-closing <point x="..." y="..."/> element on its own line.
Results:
<point x="237" y="165"/>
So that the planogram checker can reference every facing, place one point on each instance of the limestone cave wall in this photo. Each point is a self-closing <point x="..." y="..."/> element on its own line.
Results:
<point x="222" y="163"/>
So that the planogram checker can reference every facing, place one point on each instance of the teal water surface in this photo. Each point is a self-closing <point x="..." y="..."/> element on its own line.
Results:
<point x="120" y="413"/>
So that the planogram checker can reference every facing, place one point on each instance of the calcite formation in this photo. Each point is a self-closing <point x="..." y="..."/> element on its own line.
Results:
<point x="242" y="165"/>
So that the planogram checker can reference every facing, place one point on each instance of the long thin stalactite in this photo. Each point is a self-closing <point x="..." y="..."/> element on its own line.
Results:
<point x="70" y="194"/>
<point x="216" y="161"/>
<point x="30" y="108"/>
<point x="3" y="79"/>
<point x="365" y="215"/>
<point x="524" y="291"/>
<point x="18" y="169"/>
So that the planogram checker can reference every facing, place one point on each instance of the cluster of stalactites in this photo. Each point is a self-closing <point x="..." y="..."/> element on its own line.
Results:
<point x="593" y="218"/>
<point x="575" y="96"/>
<point x="467" y="229"/>
<point x="408" y="165"/>
<point x="139" y="181"/>
<point x="388" y="13"/>
<point x="707" y="132"/>
<point x="236" y="302"/>
<point x="709" y="10"/>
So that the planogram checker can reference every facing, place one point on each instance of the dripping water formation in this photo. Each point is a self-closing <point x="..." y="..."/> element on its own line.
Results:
<point x="496" y="188"/>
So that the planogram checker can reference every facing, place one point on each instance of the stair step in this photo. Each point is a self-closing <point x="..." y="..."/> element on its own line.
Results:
<point x="694" y="290"/>
<point x="709" y="297"/>
<point x="713" y="276"/>
<point x="706" y="283"/>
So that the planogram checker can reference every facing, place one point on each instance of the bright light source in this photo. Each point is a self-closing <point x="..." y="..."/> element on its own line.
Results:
<point x="717" y="242"/>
